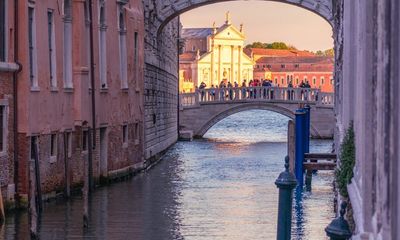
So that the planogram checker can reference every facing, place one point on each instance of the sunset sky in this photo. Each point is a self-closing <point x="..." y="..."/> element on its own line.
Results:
<point x="266" y="21"/>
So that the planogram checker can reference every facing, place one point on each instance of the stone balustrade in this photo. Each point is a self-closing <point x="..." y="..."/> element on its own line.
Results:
<point x="267" y="94"/>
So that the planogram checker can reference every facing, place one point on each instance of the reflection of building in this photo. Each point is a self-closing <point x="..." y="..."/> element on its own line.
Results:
<point x="318" y="71"/>
<point x="213" y="55"/>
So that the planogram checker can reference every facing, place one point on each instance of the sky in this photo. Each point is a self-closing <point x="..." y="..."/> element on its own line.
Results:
<point x="266" y="21"/>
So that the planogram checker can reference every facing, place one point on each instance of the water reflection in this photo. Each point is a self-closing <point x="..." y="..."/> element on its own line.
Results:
<point x="217" y="188"/>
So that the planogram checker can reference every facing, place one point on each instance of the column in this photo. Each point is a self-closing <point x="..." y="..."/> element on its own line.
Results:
<point x="219" y="63"/>
<point x="212" y="79"/>
<point x="232" y="64"/>
<point x="240" y="65"/>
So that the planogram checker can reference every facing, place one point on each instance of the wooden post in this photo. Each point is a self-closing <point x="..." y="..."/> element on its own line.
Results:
<point x="308" y="180"/>
<point x="66" y="167"/>
<point x="2" y="214"/>
<point x="38" y="189"/>
<point x="291" y="145"/>
<point x="86" y="184"/>
<point x="33" y="213"/>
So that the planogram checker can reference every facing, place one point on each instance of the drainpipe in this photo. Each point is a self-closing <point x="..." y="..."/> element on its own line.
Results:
<point x="15" y="101"/>
<point x="93" y="96"/>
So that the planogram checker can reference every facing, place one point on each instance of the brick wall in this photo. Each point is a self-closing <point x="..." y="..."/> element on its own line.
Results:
<point x="7" y="158"/>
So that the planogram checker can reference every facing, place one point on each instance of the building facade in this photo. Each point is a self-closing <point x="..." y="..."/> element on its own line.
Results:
<point x="8" y="70"/>
<point x="212" y="55"/>
<point x="79" y="60"/>
<point x="317" y="71"/>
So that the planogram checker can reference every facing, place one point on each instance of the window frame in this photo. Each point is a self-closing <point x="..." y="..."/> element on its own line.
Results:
<point x="3" y="31"/>
<point x="3" y="129"/>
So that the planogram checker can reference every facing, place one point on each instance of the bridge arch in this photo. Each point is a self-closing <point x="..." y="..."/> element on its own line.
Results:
<point x="168" y="10"/>
<point x="250" y="106"/>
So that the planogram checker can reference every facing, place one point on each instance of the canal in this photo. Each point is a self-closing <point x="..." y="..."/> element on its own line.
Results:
<point x="219" y="187"/>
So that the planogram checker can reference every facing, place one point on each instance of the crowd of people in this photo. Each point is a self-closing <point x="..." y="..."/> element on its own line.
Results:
<point x="228" y="90"/>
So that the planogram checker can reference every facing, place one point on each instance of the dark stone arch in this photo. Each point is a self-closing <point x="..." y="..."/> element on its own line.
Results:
<point x="251" y="106"/>
<point x="171" y="9"/>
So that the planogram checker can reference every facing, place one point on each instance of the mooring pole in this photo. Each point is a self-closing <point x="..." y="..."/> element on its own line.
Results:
<point x="300" y="131"/>
<point x="286" y="182"/>
<point x="339" y="228"/>
<point x="2" y="214"/>
<point x="307" y="109"/>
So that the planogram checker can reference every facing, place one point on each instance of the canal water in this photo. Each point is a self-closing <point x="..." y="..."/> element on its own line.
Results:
<point x="217" y="188"/>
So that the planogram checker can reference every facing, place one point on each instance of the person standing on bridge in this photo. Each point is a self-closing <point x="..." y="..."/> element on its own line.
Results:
<point x="244" y="85"/>
<point x="202" y="91"/>
<point x="230" y="91"/>
<point x="212" y="92"/>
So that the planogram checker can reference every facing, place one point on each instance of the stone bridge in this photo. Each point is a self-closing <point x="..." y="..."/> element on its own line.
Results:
<point x="161" y="65"/>
<point x="201" y="110"/>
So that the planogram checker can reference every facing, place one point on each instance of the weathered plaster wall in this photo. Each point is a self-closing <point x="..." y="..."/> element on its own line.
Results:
<point x="367" y="43"/>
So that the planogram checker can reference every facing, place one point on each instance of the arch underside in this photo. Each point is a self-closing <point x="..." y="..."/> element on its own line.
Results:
<point x="251" y="106"/>
<point x="173" y="8"/>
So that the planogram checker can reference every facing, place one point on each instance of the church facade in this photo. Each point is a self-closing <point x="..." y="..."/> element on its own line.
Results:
<point x="213" y="55"/>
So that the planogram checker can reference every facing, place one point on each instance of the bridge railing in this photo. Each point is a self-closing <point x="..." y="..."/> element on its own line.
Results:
<point x="269" y="94"/>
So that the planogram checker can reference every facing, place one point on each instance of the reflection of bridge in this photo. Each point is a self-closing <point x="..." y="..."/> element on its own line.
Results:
<point x="200" y="110"/>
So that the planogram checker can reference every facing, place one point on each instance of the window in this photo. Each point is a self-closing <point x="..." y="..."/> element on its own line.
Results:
<point x="297" y="80"/>
<point x="268" y="66"/>
<point x="137" y="133"/>
<point x="296" y="65"/>
<point x="193" y="48"/>
<point x="52" y="48"/>
<point x="32" y="48"/>
<point x="3" y="129"/>
<point x="122" y="50"/>
<point x="125" y="134"/>
<point x="86" y="15"/>
<point x="102" y="47"/>
<point x="135" y="59"/>
<point x="53" y="145"/>
<point x="67" y="44"/>
<point x="85" y="140"/>
<point x="314" y="81"/>
<point x="3" y="30"/>
<point x="69" y="144"/>
<point x="332" y="81"/>
<point x="322" y="80"/>
<point x="282" y="80"/>
<point x="276" y="80"/>
<point x="287" y="79"/>
<point x="283" y="66"/>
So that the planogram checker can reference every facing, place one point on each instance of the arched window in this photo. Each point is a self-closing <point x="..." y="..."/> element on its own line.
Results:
<point x="322" y="80"/>
<point x="122" y="49"/>
<point x="297" y="80"/>
<point x="314" y="81"/>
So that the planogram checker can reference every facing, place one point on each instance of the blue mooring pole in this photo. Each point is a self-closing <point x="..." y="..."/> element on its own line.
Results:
<point x="307" y="108"/>
<point x="286" y="182"/>
<point x="300" y="145"/>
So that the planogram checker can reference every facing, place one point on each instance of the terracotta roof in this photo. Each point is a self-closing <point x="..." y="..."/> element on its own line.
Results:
<point x="277" y="52"/>
<point x="301" y="59"/>
<point x="196" y="32"/>
<point x="295" y="64"/>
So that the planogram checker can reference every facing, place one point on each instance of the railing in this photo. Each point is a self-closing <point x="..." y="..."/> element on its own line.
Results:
<point x="269" y="94"/>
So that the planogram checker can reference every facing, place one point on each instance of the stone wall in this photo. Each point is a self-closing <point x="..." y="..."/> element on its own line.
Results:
<point x="367" y="37"/>
<point x="161" y="84"/>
